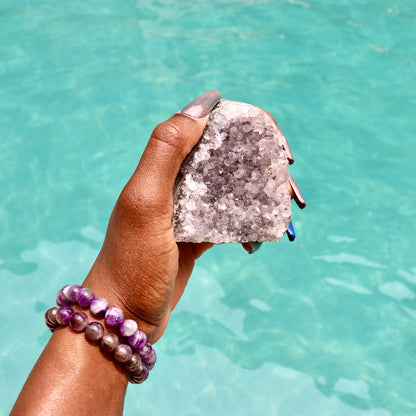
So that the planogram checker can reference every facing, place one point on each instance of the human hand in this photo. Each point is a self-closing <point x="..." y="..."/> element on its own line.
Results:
<point x="140" y="268"/>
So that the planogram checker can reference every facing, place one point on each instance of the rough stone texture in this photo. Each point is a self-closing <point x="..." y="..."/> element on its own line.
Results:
<point x="233" y="187"/>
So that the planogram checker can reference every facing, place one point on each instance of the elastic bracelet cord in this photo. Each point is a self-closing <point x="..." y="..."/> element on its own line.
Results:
<point x="138" y="357"/>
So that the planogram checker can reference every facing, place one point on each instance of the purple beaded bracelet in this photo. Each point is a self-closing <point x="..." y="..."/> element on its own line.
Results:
<point x="138" y="356"/>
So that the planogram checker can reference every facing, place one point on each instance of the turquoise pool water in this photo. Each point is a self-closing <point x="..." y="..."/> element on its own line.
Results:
<point x="323" y="326"/>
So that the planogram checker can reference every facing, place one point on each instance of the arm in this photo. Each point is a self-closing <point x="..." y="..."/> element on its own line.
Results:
<point x="139" y="269"/>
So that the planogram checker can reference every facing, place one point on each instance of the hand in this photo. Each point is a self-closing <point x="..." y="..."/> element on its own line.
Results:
<point x="140" y="268"/>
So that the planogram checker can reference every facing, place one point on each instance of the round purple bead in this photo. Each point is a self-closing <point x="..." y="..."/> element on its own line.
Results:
<point x="122" y="353"/>
<point x="134" y="363"/>
<point x="145" y="352"/>
<point x="138" y="339"/>
<point x="64" y="315"/>
<point x="99" y="306"/>
<point x="94" y="331"/>
<point x="114" y="317"/>
<point x="51" y="314"/>
<point x="62" y="299"/>
<point x="140" y="375"/>
<point x="78" y="321"/>
<point x="72" y="291"/>
<point x="109" y="342"/>
<point x="150" y="360"/>
<point x="128" y="328"/>
<point x="85" y="296"/>
<point x="50" y="318"/>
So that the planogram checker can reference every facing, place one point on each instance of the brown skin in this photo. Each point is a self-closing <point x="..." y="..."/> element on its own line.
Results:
<point x="140" y="269"/>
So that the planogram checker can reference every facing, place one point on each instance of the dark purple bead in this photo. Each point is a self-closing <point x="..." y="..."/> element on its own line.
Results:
<point x="85" y="296"/>
<point x="135" y="363"/>
<point x="72" y="292"/>
<point x="64" y="315"/>
<point x="66" y="293"/>
<point x="140" y="375"/>
<point x="99" y="306"/>
<point x="50" y="318"/>
<point x="78" y="321"/>
<point x="150" y="361"/>
<point x="94" y="331"/>
<point x="109" y="342"/>
<point x="145" y="351"/>
<point x="114" y="317"/>
<point x="138" y="339"/>
<point x="122" y="353"/>
<point x="61" y="299"/>
<point x="128" y="328"/>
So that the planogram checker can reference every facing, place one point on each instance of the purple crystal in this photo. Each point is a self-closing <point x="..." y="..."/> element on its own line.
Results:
<point x="109" y="342"/>
<point x="64" y="315"/>
<point x="122" y="353"/>
<point x="78" y="321"/>
<point x="85" y="296"/>
<point x="138" y="339"/>
<point x="98" y="306"/>
<point x="114" y="317"/>
<point x="94" y="331"/>
<point x="71" y="292"/>
<point x="234" y="185"/>
<point x="128" y="328"/>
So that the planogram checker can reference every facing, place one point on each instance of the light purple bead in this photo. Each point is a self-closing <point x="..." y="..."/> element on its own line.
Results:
<point x="85" y="296"/>
<point x="99" y="306"/>
<point x="78" y="321"/>
<point x="109" y="342"/>
<point x="138" y="339"/>
<point x="94" y="331"/>
<point x="122" y="353"/>
<point x="114" y="317"/>
<point x="72" y="291"/>
<point x="128" y="328"/>
<point x="64" y="315"/>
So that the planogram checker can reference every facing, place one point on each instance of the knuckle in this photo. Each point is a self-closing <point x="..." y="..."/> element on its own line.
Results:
<point x="140" y="206"/>
<point x="129" y="201"/>
<point x="168" y="133"/>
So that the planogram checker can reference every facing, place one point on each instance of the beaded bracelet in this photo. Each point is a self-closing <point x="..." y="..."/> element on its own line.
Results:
<point x="138" y="356"/>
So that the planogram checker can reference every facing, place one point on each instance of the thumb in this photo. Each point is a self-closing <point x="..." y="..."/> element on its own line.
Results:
<point x="152" y="183"/>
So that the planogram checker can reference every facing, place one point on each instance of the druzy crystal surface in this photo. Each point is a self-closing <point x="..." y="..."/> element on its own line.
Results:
<point x="234" y="185"/>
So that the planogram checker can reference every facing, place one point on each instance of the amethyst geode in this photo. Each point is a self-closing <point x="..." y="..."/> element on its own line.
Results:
<point x="234" y="185"/>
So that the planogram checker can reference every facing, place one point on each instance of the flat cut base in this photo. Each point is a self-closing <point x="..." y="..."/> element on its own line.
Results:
<point x="234" y="185"/>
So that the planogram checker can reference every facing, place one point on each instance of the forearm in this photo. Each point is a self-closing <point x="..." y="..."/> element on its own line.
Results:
<point x="72" y="377"/>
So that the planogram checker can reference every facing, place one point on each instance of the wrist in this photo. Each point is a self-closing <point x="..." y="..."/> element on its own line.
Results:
<point x="120" y="294"/>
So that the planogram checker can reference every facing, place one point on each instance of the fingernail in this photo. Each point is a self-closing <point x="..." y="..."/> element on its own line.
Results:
<point x="201" y="106"/>
<point x="251" y="247"/>
<point x="297" y="194"/>
<point x="286" y="147"/>
<point x="291" y="232"/>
